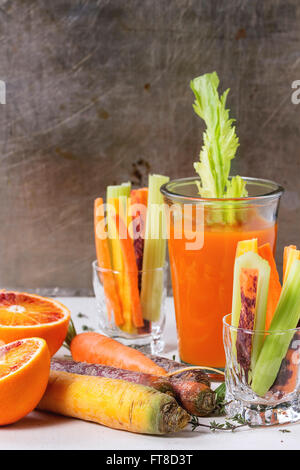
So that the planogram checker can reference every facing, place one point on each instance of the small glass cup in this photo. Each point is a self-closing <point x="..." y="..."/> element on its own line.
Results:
<point x="147" y="338"/>
<point x="281" y="403"/>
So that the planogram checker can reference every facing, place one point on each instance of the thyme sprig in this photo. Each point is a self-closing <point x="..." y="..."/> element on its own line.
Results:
<point x="236" y="422"/>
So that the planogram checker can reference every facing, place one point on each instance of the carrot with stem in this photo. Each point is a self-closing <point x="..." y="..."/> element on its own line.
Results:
<point x="104" y="262"/>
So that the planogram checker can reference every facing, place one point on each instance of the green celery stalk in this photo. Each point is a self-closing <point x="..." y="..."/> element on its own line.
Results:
<point x="154" y="250"/>
<point x="121" y="192"/>
<point x="286" y="317"/>
<point x="220" y="144"/>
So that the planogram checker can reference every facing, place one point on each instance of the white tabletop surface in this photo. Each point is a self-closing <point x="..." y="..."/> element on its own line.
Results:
<point x="46" y="431"/>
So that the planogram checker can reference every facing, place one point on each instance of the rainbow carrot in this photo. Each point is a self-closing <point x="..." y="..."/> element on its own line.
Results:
<point x="103" y="258"/>
<point x="114" y="403"/>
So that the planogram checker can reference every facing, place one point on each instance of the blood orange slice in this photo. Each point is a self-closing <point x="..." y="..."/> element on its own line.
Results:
<point x="25" y="315"/>
<point x="24" y="373"/>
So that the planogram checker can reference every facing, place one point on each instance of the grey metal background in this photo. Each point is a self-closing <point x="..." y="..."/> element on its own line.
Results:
<point x="98" y="93"/>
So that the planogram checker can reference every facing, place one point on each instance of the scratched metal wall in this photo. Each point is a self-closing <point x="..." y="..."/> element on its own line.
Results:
<point x="98" y="93"/>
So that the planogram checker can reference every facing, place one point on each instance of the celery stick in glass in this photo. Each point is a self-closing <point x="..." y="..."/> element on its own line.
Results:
<point x="286" y="317"/>
<point x="154" y="250"/>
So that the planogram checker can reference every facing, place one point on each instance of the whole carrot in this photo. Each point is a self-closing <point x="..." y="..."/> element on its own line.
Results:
<point x="113" y="403"/>
<point x="161" y="384"/>
<point x="169" y="365"/>
<point x="99" y="349"/>
<point x="192" y="387"/>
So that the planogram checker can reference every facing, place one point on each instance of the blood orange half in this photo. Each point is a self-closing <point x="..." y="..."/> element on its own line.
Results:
<point x="24" y="374"/>
<point x="25" y="315"/>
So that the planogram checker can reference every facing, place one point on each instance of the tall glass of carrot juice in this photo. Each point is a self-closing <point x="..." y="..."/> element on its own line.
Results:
<point x="203" y="235"/>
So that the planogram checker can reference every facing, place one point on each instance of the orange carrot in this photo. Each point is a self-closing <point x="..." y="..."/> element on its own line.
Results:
<point x="131" y="271"/>
<point x="99" y="349"/>
<point x="103" y="258"/>
<point x="139" y="196"/>
<point x="265" y="251"/>
<point x="286" y="251"/>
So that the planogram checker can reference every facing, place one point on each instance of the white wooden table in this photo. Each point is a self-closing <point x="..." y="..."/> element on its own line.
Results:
<point x="46" y="431"/>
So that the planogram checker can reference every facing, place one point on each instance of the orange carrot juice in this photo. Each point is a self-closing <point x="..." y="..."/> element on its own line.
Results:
<point x="202" y="286"/>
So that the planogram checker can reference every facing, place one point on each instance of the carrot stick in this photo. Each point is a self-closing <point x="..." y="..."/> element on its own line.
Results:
<point x="99" y="349"/>
<point x="265" y="251"/>
<point x="248" y="288"/>
<point x="131" y="271"/>
<point x="120" y="207"/>
<point x="103" y="258"/>
<point x="286" y="252"/>
<point x="139" y="197"/>
<point x="287" y="378"/>
<point x="292" y="254"/>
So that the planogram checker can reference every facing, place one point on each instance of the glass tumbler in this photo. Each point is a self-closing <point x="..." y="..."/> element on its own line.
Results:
<point x="148" y="337"/>
<point x="203" y="235"/>
<point x="267" y="396"/>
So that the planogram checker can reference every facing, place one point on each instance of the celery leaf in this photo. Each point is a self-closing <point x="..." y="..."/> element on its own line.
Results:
<point x="220" y="141"/>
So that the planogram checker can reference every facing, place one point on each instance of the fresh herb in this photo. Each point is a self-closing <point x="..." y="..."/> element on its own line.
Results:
<point x="70" y="335"/>
<point x="82" y="315"/>
<point x="231" y="424"/>
<point x="174" y="357"/>
<point x="220" y="400"/>
<point x="87" y="328"/>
